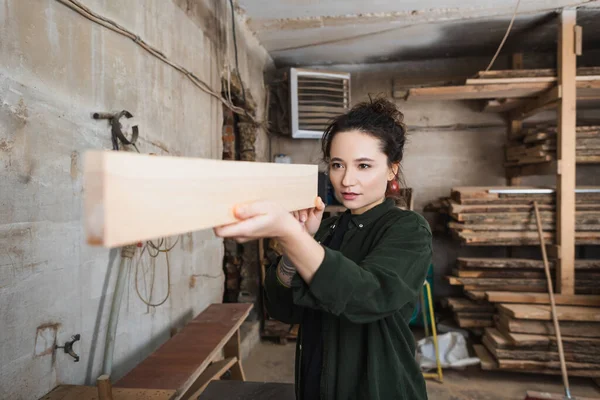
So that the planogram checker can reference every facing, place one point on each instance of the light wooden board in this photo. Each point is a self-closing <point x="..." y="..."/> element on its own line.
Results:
<point x="131" y="197"/>
<point x="487" y="361"/>
<point x="568" y="328"/>
<point x="538" y="79"/>
<point x="543" y="312"/>
<point x="567" y="70"/>
<point x="543" y="298"/>
<point x="587" y="90"/>
<point x="72" y="392"/>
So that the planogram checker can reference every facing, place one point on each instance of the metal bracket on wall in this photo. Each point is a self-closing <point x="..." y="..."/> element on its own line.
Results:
<point x="68" y="347"/>
<point x="118" y="133"/>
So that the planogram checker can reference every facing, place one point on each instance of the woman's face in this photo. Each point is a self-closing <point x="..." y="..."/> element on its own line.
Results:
<point x="358" y="170"/>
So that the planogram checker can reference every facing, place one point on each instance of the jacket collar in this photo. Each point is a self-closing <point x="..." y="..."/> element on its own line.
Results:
<point x="369" y="216"/>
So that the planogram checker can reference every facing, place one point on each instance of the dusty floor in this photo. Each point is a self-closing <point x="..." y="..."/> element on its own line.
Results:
<point x="270" y="362"/>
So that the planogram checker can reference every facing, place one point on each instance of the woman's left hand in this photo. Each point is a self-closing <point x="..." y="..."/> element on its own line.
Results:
<point x="260" y="220"/>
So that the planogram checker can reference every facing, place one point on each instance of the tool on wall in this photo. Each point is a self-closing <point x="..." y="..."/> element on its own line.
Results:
<point x="121" y="129"/>
<point x="68" y="347"/>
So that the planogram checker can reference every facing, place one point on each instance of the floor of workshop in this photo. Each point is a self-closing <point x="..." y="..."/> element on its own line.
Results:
<point x="271" y="362"/>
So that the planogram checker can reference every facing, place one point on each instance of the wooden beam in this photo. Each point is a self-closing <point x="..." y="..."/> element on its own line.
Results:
<point x="131" y="197"/>
<point x="565" y="237"/>
<point x="543" y="298"/>
<point x="479" y="91"/>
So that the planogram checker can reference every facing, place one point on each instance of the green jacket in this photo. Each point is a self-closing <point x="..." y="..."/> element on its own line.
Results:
<point x="368" y="291"/>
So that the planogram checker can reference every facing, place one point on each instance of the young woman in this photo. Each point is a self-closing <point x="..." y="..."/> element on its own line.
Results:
<point x="351" y="281"/>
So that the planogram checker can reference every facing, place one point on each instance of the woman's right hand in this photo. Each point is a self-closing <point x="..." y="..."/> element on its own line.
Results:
<point x="311" y="218"/>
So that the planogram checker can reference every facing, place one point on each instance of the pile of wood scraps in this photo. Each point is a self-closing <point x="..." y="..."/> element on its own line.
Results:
<point x="504" y="216"/>
<point x="538" y="145"/>
<point x="523" y="340"/>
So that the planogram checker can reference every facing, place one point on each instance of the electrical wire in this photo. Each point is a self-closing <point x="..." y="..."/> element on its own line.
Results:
<point x="512" y="21"/>
<point x="149" y="244"/>
<point x="237" y="64"/>
<point x="113" y="26"/>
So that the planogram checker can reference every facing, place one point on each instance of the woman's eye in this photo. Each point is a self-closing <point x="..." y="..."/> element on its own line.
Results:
<point x="364" y="166"/>
<point x="336" y="165"/>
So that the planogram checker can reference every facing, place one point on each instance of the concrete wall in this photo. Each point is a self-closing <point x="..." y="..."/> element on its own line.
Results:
<point x="450" y="143"/>
<point x="56" y="69"/>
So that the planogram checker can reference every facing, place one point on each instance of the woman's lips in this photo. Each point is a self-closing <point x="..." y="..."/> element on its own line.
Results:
<point x="349" y="195"/>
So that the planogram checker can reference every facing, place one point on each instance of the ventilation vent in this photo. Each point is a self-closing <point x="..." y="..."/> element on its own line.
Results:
<point x="316" y="98"/>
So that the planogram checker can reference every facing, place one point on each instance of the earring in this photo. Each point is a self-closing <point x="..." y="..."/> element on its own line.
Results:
<point x="393" y="186"/>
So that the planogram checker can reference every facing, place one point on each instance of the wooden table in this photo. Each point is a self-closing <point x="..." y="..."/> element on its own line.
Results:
<point x="237" y="390"/>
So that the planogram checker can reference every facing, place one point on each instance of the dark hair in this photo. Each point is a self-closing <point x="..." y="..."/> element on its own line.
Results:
<point x="377" y="117"/>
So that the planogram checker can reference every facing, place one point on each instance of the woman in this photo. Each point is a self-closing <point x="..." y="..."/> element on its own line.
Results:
<point x="352" y="287"/>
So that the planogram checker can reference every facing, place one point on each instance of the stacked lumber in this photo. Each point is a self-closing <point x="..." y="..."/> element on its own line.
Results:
<point x="523" y="340"/>
<point x="509" y="87"/>
<point x="470" y="314"/>
<point x="480" y="217"/>
<point x="481" y="276"/>
<point x="538" y="145"/>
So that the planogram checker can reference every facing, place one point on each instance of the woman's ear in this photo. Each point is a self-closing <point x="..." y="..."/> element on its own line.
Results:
<point x="393" y="173"/>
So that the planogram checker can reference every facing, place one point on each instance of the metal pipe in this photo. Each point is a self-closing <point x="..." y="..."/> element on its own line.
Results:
<point x="127" y="253"/>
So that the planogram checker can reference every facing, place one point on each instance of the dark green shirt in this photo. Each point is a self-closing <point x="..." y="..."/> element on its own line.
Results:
<point x="367" y="292"/>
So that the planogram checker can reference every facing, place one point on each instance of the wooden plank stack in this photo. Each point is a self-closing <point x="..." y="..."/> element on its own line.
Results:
<point x="470" y="314"/>
<point x="479" y="217"/>
<point x="523" y="340"/>
<point x="538" y="145"/>
<point x="481" y="275"/>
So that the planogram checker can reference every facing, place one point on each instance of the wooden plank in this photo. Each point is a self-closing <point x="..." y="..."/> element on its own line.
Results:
<point x="487" y="361"/>
<point x="543" y="298"/>
<point x="575" y="369"/>
<point x="523" y="73"/>
<point x="498" y="274"/>
<point x="543" y="356"/>
<point x="131" y="197"/>
<point x="533" y="79"/>
<point x="179" y="362"/>
<point x="213" y="372"/>
<point x="463" y="304"/>
<point x="456" y="208"/>
<point x="74" y="392"/>
<point x="568" y="328"/>
<point x="520" y="263"/>
<point x="543" y="312"/>
<point x="565" y="236"/>
<point x="572" y="343"/>
<point x="476" y="295"/>
<point x="473" y="323"/>
<point x="515" y="90"/>
<point x="520" y="238"/>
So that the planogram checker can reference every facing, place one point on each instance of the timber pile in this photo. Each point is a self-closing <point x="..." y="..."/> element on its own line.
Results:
<point x="487" y="281"/>
<point x="479" y="217"/>
<point x="478" y="276"/>
<point x="523" y="340"/>
<point x="538" y="145"/>
<point x="470" y="314"/>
